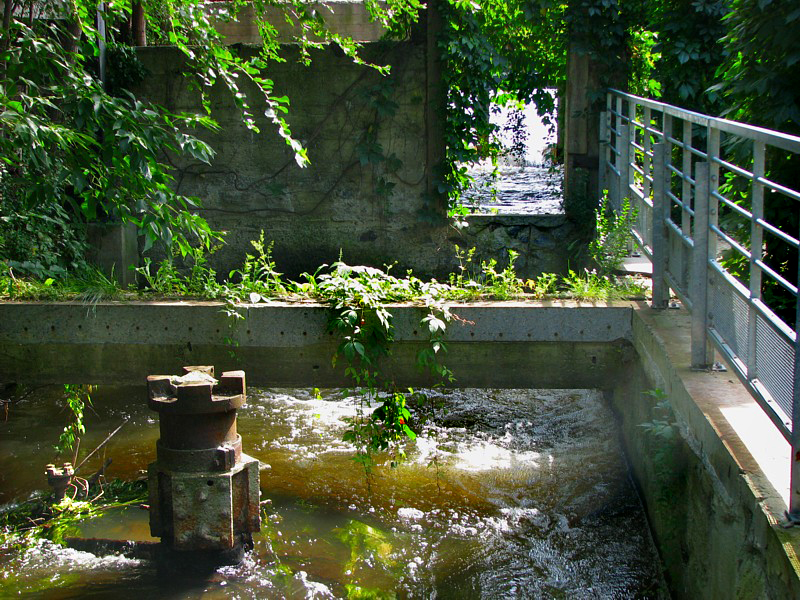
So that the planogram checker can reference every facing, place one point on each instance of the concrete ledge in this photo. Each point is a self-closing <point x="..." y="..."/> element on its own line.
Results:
<point x="570" y="345"/>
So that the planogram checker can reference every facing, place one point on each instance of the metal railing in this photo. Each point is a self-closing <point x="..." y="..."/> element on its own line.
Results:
<point x="702" y="192"/>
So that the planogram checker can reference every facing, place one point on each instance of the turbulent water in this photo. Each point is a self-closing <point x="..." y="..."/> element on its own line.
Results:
<point x="511" y="494"/>
<point x="518" y="190"/>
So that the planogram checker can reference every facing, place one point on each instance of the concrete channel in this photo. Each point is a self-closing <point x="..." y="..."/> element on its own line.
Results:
<point x="711" y="468"/>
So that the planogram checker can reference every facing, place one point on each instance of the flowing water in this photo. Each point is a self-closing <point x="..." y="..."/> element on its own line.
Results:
<point x="517" y="190"/>
<point x="512" y="494"/>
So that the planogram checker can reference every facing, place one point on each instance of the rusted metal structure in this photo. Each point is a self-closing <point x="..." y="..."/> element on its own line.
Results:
<point x="204" y="492"/>
<point x="59" y="479"/>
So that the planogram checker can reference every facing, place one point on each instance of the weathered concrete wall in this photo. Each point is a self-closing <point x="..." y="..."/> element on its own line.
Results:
<point x="371" y="140"/>
<point x="344" y="17"/>
<point x="559" y="346"/>
<point x="713" y="511"/>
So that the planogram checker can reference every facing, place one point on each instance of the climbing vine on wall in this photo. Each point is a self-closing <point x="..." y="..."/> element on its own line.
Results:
<point x="358" y="297"/>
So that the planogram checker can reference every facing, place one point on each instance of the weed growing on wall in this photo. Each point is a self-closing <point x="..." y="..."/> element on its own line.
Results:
<point x="610" y="246"/>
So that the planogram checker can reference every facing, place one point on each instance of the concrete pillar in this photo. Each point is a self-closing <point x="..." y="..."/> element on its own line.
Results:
<point x="581" y="135"/>
<point x="114" y="249"/>
<point x="434" y="110"/>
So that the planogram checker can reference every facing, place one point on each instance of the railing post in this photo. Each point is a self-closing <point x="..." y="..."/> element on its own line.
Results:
<point x="603" y="152"/>
<point x="756" y="254"/>
<point x="660" y="207"/>
<point x="624" y="147"/>
<point x="794" y="481"/>
<point x="702" y="354"/>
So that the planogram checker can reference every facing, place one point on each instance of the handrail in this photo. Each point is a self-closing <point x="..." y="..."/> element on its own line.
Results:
<point x="669" y="163"/>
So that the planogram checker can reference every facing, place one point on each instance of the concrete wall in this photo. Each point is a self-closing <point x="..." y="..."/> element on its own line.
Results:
<point x="710" y="493"/>
<point x="288" y="345"/>
<point x="372" y="142"/>
<point x="344" y="17"/>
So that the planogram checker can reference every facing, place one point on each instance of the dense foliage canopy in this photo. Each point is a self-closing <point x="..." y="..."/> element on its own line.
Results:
<point x="74" y="149"/>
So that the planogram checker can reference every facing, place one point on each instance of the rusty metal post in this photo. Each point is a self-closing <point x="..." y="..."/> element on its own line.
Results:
<point x="59" y="479"/>
<point x="204" y="492"/>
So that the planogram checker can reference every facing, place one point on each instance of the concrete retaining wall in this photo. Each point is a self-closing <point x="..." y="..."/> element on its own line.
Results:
<point x="287" y="345"/>
<point x="713" y="507"/>
<point x="373" y="144"/>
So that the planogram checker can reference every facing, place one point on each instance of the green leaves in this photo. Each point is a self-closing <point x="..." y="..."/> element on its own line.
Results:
<point x="97" y="156"/>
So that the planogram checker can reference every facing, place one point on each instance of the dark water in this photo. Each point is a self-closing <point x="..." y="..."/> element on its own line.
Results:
<point x="530" y="499"/>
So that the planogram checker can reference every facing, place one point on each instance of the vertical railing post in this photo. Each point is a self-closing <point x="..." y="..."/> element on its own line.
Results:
<point x="702" y="355"/>
<point x="624" y="147"/>
<point x="660" y="207"/>
<point x="756" y="254"/>
<point x="794" y="477"/>
<point x="603" y="153"/>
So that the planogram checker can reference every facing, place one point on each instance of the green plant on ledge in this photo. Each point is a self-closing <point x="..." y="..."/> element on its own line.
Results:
<point x="358" y="297"/>
<point x="610" y="246"/>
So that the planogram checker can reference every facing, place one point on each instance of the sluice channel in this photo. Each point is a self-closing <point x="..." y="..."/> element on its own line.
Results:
<point x="508" y="494"/>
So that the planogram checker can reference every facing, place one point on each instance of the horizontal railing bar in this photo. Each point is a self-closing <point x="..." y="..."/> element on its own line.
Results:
<point x="672" y="281"/>
<point x="680" y="203"/>
<point x="687" y="241"/>
<point x="681" y="174"/>
<point x="785" y="283"/>
<point x="742" y="211"/>
<point x="698" y="152"/>
<point x="734" y="168"/>
<point x="732" y="242"/>
<point x="778" y="233"/>
<point x="777" y="139"/>
<point x="779" y="188"/>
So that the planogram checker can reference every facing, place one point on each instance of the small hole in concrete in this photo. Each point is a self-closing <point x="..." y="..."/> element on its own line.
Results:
<point x="107" y="327"/>
<point x="248" y="332"/>
<point x="24" y="329"/>
<point x="414" y="332"/>
<point x="305" y="333"/>
<point x="499" y="335"/>
<point x="190" y="328"/>
<point x="210" y="482"/>
<point x="555" y="334"/>
<point x="52" y="327"/>
<point x="80" y="326"/>
<point x="581" y="331"/>
<point x="281" y="333"/>
<point x="166" y="328"/>
<point x="315" y="367"/>
<point x="594" y="360"/>
<point x="472" y="333"/>
<point x="137" y="328"/>
<point x="217" y="330"/>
